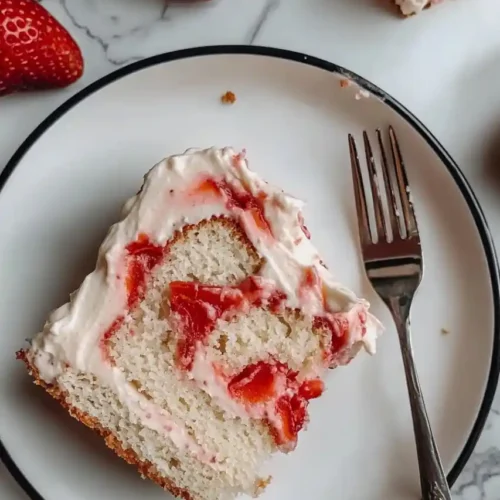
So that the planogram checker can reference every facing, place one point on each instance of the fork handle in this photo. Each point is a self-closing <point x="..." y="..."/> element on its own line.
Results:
<point x="432" y="477"/>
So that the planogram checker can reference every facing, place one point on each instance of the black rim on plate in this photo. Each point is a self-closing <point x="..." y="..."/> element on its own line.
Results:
<point x="454" y="170"/>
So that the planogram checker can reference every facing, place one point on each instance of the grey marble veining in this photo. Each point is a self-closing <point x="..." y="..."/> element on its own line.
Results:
<point x="480" y="479"/>
<point x="105" y="25"/>
<point x="408" y="58"/>
<point x="267" y="10"/>
<point x="477" y="480"/>
<point x="129" y="30"/>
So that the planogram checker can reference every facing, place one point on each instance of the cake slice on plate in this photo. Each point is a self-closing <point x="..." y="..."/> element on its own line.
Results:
<point x="197" y="343"/>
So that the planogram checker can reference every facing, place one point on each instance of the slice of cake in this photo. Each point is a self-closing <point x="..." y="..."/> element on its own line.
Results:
<point x="197" y="343"/>
<point x="411" y="7"/>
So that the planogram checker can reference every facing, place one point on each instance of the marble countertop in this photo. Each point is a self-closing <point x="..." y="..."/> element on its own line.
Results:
<point x="443" y="65"/>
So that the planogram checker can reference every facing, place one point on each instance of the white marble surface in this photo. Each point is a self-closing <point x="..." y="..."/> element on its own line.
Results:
<point x="443" y="65"/>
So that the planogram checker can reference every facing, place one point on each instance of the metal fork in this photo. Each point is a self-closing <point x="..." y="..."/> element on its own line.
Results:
<point x="394" y="264"/>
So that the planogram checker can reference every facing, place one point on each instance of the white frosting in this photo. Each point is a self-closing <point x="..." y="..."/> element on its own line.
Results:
<point x="204" y="374"/>
<point x="409" y="7"/>
<point x="165" y="204"/>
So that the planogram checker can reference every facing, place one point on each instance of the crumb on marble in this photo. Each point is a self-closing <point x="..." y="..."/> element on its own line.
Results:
<point x="444" y="331"/>
<point x="228" y="98"/>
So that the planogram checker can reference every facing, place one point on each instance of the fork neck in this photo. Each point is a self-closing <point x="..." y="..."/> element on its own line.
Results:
<point x="400" y="310"/>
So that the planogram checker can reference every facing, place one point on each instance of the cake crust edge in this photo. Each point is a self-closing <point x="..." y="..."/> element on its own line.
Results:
<point x="146" y="469"/>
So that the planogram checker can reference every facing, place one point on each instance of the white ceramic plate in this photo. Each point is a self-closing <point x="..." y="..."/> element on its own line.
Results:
<point x="66" y="184"/>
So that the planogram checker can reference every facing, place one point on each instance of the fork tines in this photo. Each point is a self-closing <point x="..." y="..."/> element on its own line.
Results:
<point x="398" y="222"/>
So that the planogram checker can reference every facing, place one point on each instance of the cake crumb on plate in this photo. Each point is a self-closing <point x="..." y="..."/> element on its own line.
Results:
<point x="228" y="98"/>
<point x="362" y="93"/>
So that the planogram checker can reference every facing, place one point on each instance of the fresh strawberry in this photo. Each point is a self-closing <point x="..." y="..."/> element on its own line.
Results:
<point x="35" y="50"/>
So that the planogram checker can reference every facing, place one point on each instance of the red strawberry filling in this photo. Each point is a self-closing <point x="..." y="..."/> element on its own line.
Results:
<point x="197" y="308"/>
<point x="143" y="256"/>
<point x="255" y="383"/>
<point x="236" y="198"/>
<point x="311" y="389"/>
<point x="273" y="389"/>
<point x="292" y="414"/>
<point x="113" y="328"/>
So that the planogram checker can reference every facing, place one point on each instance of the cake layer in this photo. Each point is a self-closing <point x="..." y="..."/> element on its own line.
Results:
<point x="205" y="330"/>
